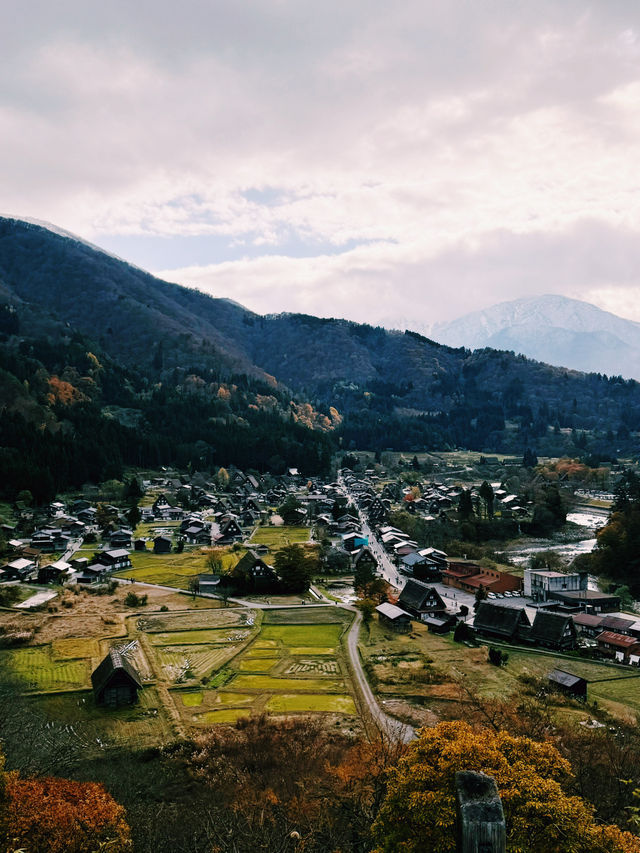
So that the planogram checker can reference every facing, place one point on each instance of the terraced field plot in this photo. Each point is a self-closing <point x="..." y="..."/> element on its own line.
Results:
<point x="265" y="683"/>
<point x="303" y="636"/>
<point x="72" y="647"/>
<point x="194" y="661"/>
<point x="278" y="537"/>
<point x="198" y="619"/>
<point x="288" y="703"/>
<point x="316" y="667"/>
<point x="213" y="636"/>
<point x="37" y="669"/>
<point x="257" y="664"/>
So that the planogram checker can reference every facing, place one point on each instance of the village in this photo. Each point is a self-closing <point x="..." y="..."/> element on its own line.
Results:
<point x="215" y="544"/>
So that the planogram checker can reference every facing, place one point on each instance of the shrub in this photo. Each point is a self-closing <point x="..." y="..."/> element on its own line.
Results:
<point x="497" y="657"/>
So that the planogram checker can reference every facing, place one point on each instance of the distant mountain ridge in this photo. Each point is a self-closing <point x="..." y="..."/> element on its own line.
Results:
<point x="553" y="329"/>
<point x="206" y="372"/>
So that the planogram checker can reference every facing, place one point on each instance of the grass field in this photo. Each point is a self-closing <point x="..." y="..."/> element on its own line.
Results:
<point x="212" y="636"/>
<point x="389" y="658"/>
<point x="324" y="636"/>
<point x="144" y="724"/>
<point x="289" y="702"/>
<point x="173" y="569"/>
<point x="266" y="683"/>
<point x="38" y="670"/>
<point x="218" y="618"/>
<point x="277" y="537"/>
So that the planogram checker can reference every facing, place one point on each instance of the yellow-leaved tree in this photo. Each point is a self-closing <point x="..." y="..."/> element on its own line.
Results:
<point x="418" y="812"/>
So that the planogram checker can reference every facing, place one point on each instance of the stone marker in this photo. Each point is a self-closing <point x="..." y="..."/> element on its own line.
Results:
<point x="480" y="819"/>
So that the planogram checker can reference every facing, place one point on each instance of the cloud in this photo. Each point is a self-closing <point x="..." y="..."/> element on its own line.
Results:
<point x="368" y="161"/>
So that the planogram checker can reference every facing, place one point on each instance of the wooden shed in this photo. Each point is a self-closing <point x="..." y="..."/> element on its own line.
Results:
<point x="115" y="681"/>
<point x="568" y="683"/>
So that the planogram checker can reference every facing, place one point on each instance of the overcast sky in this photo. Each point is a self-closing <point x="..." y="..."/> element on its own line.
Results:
<point x="397" y="163"/>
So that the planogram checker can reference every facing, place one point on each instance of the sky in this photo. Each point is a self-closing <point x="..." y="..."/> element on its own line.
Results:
<point x="398" y="164"/>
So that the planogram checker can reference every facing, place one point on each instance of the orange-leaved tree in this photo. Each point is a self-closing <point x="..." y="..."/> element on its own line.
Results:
<point x="50" y="815"/>
<point x="418" y="812"/>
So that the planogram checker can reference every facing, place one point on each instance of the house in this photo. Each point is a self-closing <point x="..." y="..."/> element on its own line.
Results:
<point x="590" y="600"/>
<point x="441" y="624"/>
<point x="251" y="571"/>
<point x="619" y="646"/>
<point x="115" y="560"/>
<point x="121" y="538"/>
<point x="208" y="583"/>
<point x="139" y="544"/>
<point x="587" y="624"/>
<point x="115" y="681"/>
<point x="162" y="545"/>
<point x="230" y="531"/>
<point x="500" y="621"/>
<point x="161" y="505"/>
<point x="470" y="577"/>
<point x="394" y="618"/>
<point x="364" y="559"/>
<point x="421" y="600"/>
<point x="95" y="573"/>
<point x="20" y="569"/>
<point x="568" y="683"/>
<point x="553" y="631"/>
<point x="617" y="624"/>
<point x="57" y="572"/>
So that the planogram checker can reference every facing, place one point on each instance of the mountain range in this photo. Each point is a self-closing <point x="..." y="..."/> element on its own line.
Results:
<point x="553" y="329"/>
<point x="103" y="365"/>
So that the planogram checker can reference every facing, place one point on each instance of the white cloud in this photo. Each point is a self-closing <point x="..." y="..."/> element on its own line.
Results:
<point x="442" y="137"/>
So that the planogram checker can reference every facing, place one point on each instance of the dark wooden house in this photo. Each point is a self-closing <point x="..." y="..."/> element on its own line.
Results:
<point x="553" y="631"/>
<point x="115" y="681"/>
<point x="394" y="618"/>
<point x="421" y="600"/>
<point x="501" y="621"/>
<point x="162" y="545"/>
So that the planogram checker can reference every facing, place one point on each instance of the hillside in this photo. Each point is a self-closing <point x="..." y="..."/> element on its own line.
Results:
<point x="186" y="378"/>
<point x="553" y="329"/>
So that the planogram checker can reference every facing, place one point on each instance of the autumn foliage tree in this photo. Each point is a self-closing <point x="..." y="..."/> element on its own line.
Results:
<point x="418" y="812"/>
<point x="49" y="815"/>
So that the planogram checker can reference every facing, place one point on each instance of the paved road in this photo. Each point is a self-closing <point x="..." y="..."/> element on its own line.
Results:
<point x="391" y="728"/>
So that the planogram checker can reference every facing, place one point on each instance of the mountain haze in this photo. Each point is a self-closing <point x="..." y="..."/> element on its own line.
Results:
<point x="553" y="329"/>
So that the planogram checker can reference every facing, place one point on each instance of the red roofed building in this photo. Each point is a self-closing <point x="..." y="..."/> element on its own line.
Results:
<point x="470" y="576"/>
<point x="620" y="646"/>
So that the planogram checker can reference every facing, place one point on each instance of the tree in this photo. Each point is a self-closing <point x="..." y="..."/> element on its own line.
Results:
<point x="50" y="815"/>
<point x="295" y="568"/>
<point x="367" y="608"/>
<point x="530" y="460"/>
<point x="481" y="595"/>
<point x="133" y="515"/>
<point x="418" y="812"/>
<point x="465" y="504"/>
<point x="25" y="497"/>
<point x="289" y="510"/>
<point x="222" y="478"/>
<point x="486" y="493"/>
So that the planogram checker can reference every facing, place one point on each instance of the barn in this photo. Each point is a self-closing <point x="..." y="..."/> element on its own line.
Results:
<point x="115" y="681"/>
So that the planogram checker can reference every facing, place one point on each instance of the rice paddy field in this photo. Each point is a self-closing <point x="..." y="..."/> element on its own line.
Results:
<point x="197" y="667"/>
<point x="174" y="570"/>
<point x="295" y="667"/>
<point x="277" y="537"/>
